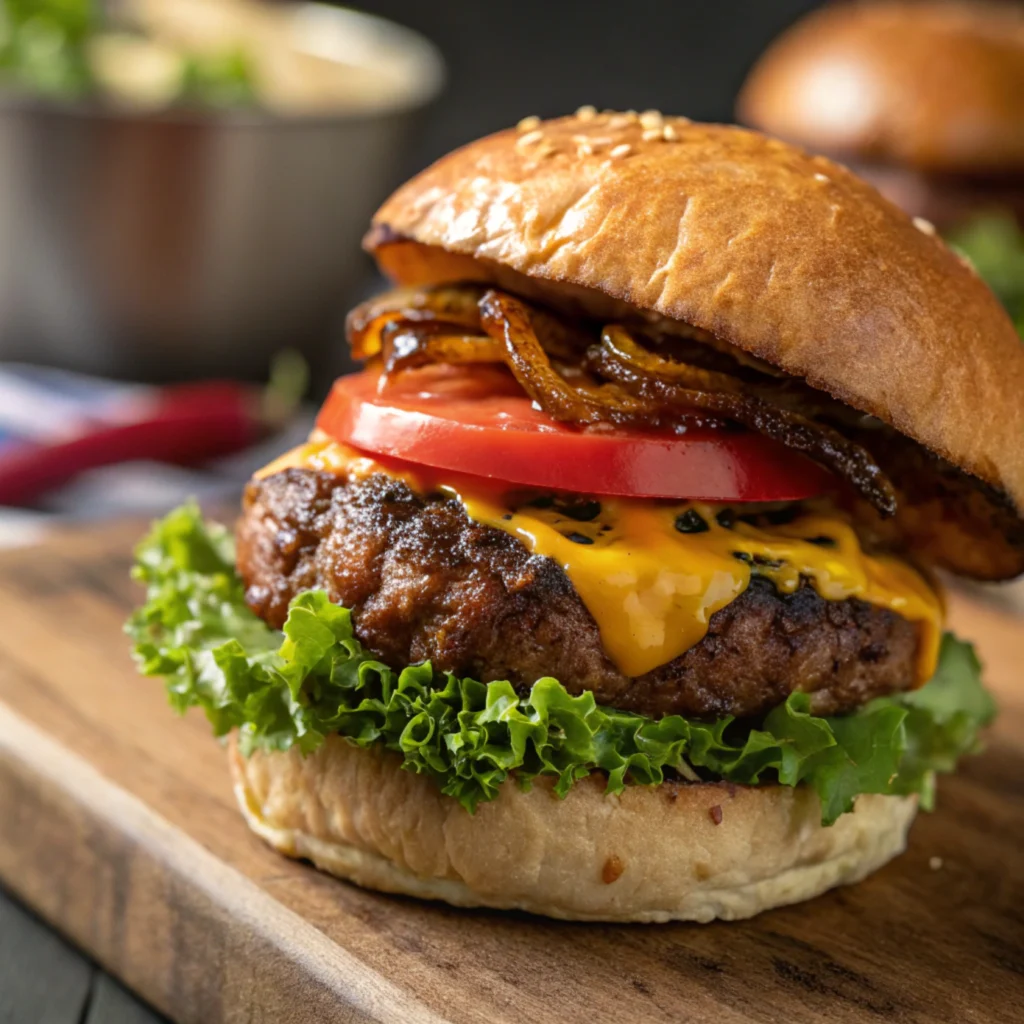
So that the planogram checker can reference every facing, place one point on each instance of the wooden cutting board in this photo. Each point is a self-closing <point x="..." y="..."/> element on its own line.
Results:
<point x="117" y="824"/>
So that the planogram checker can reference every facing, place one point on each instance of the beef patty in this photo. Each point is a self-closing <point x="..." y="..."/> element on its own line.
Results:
<point x="426" y="582"/>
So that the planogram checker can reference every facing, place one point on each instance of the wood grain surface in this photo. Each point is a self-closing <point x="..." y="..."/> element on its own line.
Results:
<point x="117" y="824"/>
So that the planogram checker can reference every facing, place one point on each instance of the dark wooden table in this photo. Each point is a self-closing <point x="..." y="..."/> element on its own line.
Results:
<point x="44" y="980"/>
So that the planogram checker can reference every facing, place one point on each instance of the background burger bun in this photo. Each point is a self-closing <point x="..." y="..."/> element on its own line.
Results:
<point x="934" y="86"/>
<point x="787" y="256"/>
<point x="651" y="854"/>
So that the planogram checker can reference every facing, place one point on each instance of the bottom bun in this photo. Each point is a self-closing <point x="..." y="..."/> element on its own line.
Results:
<point x="678" y="851"/>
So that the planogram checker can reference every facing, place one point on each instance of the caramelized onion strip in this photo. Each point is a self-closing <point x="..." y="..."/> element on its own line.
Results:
<point x="507" y="320"/>
<point x="619" y="343"/>
<point x="646" y="375"/>
<point x="407" y="344"/>
<point x="778" y="391"/>
<point x="457" y="304"/>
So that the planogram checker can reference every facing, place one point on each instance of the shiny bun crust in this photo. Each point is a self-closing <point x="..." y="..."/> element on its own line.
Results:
<point x="788" y="256"/>
<point x="936" y="86"/>
<point x="651" y="854"/>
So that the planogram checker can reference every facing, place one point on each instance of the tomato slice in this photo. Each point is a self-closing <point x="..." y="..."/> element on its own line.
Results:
<point x="478" y="421"/>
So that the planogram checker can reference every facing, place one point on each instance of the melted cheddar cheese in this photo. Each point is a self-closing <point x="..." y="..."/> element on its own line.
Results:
<point x="652" y="573"/>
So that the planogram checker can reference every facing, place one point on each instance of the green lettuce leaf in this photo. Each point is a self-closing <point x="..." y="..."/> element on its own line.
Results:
<point x="293" y="687"/>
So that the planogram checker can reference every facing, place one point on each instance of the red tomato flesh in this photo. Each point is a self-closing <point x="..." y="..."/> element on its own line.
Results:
<point x="478" y="421"/>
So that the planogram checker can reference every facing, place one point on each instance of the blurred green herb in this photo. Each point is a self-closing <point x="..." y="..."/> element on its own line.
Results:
<point x="43" y="45"/>
<point x="289" y="381"/>
<point x="45" y="48"/>
<point x="995" y="246"/>
<point x="224" y="79"/>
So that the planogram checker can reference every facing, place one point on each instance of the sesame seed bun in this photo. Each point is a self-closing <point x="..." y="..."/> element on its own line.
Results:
<point x="670" y="852"/>
<point x="787" y="256"/>
<point x="933" y="86"/>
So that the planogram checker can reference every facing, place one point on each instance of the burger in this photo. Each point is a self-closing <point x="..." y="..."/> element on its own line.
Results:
<point x="606" y="590"/>
<point x="925" y="100"/>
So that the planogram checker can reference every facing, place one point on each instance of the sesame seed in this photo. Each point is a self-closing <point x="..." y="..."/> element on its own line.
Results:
<point x="669" y="134"/>
<point x="935" y="863"/>
<point x="587" y="113"/>
<point x="651" y="135"/>
<point x="528" y="123"/>
<point x="620" y="120"/>
<point x="822" y="177"/>
<point x="530" y="138"/>
<point x="624" y="150"/>
<point x="543" y="152"/>
<point x="651" y="119"/>
<point x="924" y="226"/>
<point x="584" y="149"/>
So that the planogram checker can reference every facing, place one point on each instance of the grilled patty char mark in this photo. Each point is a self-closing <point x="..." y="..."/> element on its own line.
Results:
<point x="426" y="582"/>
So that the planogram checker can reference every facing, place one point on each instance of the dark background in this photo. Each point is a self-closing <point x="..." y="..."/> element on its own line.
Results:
<point x="510" y="58"/>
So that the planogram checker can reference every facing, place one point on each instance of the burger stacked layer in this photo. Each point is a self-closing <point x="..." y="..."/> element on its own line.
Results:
<point x="557" y="549"/>
<point x="502" y="626"/>
<point x="923" y="98"/>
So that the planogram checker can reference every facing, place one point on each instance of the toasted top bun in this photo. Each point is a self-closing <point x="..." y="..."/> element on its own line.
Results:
<point x="787" y="256"/>
<point x="937" y="86"/>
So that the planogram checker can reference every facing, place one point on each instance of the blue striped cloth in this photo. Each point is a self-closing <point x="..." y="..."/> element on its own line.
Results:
<point x="41" y="405"/>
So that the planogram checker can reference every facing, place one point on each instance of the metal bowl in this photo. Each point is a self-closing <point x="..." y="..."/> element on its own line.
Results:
<point x="185" y="244"/>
